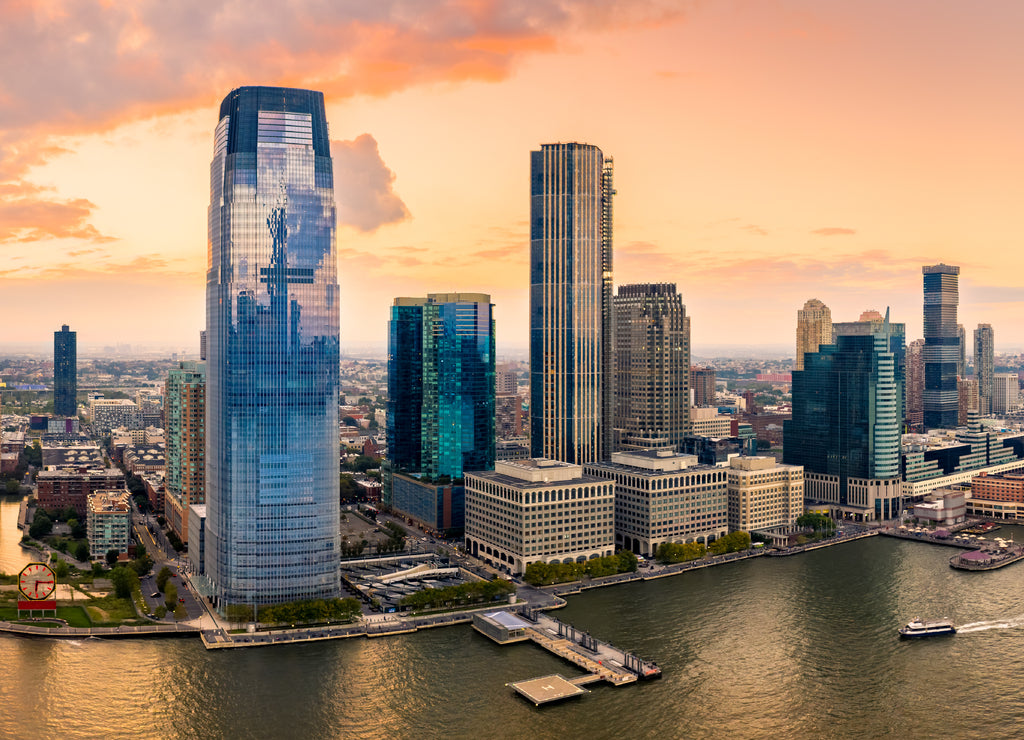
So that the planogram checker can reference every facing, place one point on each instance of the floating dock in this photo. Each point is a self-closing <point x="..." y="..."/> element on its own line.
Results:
<point x="602" y="661"/>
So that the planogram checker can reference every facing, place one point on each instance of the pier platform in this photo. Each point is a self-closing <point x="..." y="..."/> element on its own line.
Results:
<point x="547" y="689"/>
<point x="601" y="660"/>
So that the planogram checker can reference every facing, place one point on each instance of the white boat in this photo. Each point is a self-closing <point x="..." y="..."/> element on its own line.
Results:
<point x="921" y="628"/>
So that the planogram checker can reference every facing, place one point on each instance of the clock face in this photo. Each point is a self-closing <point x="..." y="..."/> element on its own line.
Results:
<point x="36" y="581"/>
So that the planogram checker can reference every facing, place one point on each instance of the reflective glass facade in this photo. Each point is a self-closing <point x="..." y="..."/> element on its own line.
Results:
<point x="272" y="526"/>
<point x="441" y="384"/>
<point x="572" y="393"/>
<point x="65" y="372"/>
<point x="941" y="346"/>
<point x="847" y="406"/>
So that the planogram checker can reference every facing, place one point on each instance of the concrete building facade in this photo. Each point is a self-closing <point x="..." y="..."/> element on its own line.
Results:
<point x="764" y="494"/>
<point x="813" y="329"/>
<point x="538" y="510"/>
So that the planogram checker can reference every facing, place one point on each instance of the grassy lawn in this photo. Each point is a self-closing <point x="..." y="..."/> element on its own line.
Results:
<point x="75" y="616"/>
<point x="47" y="625"/>
<point x="110" y="611"/>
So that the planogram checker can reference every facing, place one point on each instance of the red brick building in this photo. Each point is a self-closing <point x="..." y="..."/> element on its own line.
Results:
<point x="58" y="489"/>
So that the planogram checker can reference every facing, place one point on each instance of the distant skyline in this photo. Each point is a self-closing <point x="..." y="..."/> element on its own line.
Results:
<point x="765" y="154"/>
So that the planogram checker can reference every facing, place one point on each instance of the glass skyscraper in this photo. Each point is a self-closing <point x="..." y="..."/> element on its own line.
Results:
<point x="65" y="372"/>
<point x="272" y="527"/>
<point x="847" y="416"/>
<point x="941" y="346"/>
<point x="441" y="384"/>
<point x="572" y="393"/>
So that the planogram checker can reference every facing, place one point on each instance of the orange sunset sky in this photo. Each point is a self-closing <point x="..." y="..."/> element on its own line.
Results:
<point x="766" y="152"/>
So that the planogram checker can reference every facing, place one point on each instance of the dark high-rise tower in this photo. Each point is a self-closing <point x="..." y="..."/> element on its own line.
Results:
<point x="571" y="322"/>
<point x="65" y="372"/>
<point x="941" y="346"/>
<point x="845" y="429"/>
<point x="652" y="366"/>
<point x="273" y="512"/>
<point x="984" y="366"/>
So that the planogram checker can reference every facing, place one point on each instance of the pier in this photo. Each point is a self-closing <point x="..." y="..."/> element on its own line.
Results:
<point x="600" y="660"/>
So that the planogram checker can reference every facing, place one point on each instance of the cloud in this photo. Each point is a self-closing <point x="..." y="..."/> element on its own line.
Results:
<point x="363" y="185"/>
<point x="82" y="67"/>
<point x="834" y="231"/>
<point x="754" y="229"/>
<point x="28" y="213"/>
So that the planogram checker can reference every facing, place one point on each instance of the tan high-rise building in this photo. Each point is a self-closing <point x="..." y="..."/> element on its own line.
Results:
<point x="915" y="385"/>
<point x="968" y="391"/>
<point x="813" y="329"/>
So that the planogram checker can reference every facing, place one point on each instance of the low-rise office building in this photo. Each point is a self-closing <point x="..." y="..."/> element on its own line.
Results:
<point x="764" y="494"/>
<point x="997" y="496"/>
<point x="664" y="496"/>
<point x="944" y="506"/>
<point x="538" y="510"/>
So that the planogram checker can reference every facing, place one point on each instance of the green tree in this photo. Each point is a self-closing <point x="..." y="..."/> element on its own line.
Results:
<point x="12" y="486"/>
<point x="124" y="580"/>
<point x="348" y="488"/>
<point x="238" y="613"/>
<point x="82" y="552"/>
<point x="171" y="596"/>
<point x="162" y="577"/>
<point x="143" y="563"/>
<point x="41" y="526"/>
<point x="112" y="556"/>
<point x="78" y="529"/>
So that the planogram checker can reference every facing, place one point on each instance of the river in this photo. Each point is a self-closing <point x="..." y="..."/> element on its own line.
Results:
<point x="799" y="647"/>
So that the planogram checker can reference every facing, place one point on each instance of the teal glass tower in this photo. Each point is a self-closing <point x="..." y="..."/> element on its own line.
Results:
<point x="572" y="365"/>
<point x="441" y="384"/>
<point x="272" y="526"/>
<point x="847" y="412"/>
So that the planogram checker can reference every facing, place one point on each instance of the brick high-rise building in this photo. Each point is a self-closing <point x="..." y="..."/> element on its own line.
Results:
<point x="702" y="383"/>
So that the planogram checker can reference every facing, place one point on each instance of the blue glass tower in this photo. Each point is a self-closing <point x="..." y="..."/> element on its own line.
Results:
<point x="272" y="527"/>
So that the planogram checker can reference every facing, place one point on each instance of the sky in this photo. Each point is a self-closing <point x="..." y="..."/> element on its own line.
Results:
<point x="766" y="152"/>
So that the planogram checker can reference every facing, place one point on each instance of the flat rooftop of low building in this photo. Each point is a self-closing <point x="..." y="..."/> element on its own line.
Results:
<point x="525" y="483"/>
<point x="547" y="689"/>
<point x="72" y="456"/>
<point x="507" y="620"/>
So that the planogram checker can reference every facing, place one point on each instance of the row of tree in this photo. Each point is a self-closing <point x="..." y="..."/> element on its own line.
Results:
<point x="681" y="552"/>
<point x="464" y="594"/>
<point x="545" y="574"/>
<point x="299" y="612"/>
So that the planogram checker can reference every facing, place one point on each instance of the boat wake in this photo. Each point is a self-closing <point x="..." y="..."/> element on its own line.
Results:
<point x="996" y="624"/>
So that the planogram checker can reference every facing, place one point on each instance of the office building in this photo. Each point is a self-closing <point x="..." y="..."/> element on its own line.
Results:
<point x="707" y="422"/>
<point x="441" y="409"/>
<point x="845" y="429"/>
<point x="915" y="385"/>
<point x="1005" y="392"/>
<point x="664" y="496"/>
<point x="185" y="444"/>
<point x="109" y="522"/>
<point x="813" y="329"/>
<point x="984" y="366"/>
<point x="652" y="366"/>
<point x="571" y="360"/>
<point x="538" y="510"/>
<point x="997" y="496"/>
<point x="508" y="417"/>
<point x="272" y="312"/>
<point x="941" y="346"/>
<point x="702" y="386"/>
<point x="961" y="363"/>
<point x="441" y="384"/>
<point x="65" y="372"/>
<point x="506" y="381"/>
<point x="967" y="388"/>
<point x="202" y="345"/>
<point x="763" y="494"/>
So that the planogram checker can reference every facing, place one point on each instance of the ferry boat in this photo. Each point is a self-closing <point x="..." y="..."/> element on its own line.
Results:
<point x="919" y="628"/>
